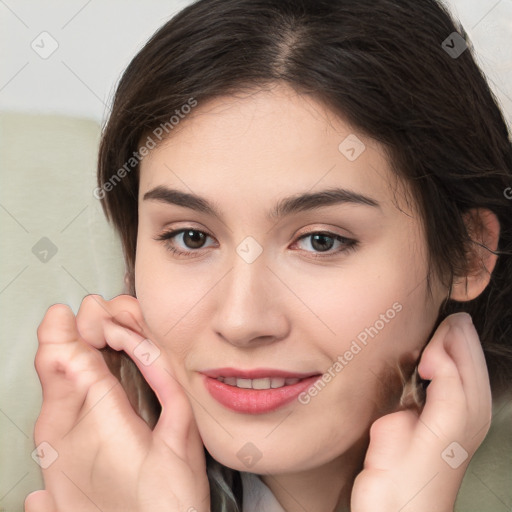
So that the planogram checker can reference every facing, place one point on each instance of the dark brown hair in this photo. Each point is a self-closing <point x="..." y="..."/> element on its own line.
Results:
<point x="383" y="67"/>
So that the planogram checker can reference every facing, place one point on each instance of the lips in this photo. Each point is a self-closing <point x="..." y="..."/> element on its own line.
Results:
<point x="256" y="391"/>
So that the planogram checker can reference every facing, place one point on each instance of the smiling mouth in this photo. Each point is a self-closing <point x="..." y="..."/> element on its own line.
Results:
<point x="257" y="395"/>
<point x="257" y="390"/>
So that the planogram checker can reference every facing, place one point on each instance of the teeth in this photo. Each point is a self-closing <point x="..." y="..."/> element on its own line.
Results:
<point x="263" y="383"/>
<point x="244" y="383"/>
<point x="278" y="382"/>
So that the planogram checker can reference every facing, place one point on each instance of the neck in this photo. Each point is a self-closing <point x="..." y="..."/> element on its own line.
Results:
<point x="324" y="489"/>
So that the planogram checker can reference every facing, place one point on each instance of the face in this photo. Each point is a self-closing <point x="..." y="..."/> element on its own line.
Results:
<point x="295" y="259"/>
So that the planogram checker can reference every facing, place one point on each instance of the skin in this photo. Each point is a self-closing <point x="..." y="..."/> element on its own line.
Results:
<point x="286" y="310"/>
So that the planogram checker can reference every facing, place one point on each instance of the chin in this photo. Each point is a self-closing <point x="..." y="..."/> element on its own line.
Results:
<point x="251" y="458"/>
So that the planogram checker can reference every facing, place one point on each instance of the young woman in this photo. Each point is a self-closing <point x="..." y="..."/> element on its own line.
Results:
<point x="312" y="199"/>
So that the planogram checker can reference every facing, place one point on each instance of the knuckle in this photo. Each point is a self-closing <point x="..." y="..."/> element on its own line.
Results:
<point x="90" y="315"/>
<point x="49" y="360"/>
<point x="379" y="428"/>
<point x="125" y="298"/>
<point x="94" y="306"/>
<point x="92" y="302"/>
<point x="389" y="424"/>
<point x="81" y="361"/>
<point x="78" y="365"/>
<point x="40" y="361"/>
<point x="125" y="303"/>
<point x="58" y="310"/>
<point x="57" y="324"/>
<point x="126" y="311"/>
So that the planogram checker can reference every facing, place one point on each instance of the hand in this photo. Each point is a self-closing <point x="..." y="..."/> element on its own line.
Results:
<point x="411" y="463"/>
<point x="108" y="457"/>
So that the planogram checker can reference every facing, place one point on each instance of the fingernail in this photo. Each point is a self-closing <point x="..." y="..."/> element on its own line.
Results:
<point x="464" y="324"/>
<point x="462" y="319"/>
<point x="466" y="317"/>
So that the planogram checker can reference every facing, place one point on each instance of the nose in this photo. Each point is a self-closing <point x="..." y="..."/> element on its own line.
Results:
<point x="250" y="306"/>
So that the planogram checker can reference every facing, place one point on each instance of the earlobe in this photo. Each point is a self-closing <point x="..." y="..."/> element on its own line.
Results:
<point x="484" y="229"/>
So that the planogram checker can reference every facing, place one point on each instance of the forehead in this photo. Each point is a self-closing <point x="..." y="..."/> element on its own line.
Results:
<point x="266" y="144"/>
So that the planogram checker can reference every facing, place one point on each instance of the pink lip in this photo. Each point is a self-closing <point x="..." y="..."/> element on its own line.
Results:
<point x="256" y="401"/>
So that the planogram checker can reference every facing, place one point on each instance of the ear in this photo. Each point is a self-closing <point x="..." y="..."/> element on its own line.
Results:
<point x="484" y="230"/>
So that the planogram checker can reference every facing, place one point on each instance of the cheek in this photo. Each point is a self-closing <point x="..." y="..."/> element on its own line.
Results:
<point x="171" y="298"/>
<point x="375" y="305"/>
<point x="363" y="375"/>
<point x="388" y="346"/>
<point x="377" y="318"/>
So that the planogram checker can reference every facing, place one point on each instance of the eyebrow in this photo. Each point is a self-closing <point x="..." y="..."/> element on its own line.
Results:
<point x="286" y="206"/>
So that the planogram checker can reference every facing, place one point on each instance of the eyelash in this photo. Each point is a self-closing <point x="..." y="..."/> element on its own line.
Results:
<point x="349" y="243"/>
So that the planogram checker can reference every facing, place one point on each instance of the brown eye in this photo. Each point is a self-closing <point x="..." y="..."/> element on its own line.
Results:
<point x="184" y="241"/>
<point x="194" y="239"/>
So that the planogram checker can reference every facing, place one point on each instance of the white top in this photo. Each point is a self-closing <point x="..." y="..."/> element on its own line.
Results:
<point x="257" y="496"/>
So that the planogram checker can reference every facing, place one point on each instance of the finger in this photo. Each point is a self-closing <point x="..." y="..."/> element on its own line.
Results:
<point x="176" y="409"/>
<point x="67" y="368"/>
<point x="58" y="325"/>
<point x="389" y="437"/>
<point x="463" y="346"/>
<point x="446" y="400"/>
<point x="472" y="367"/>
<point x="95" y="311"/>
<point x="468" y="356"/>
<point x="63" y="359"/>
<point x="119" y="323"/>
<point x="40" y="501"/>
